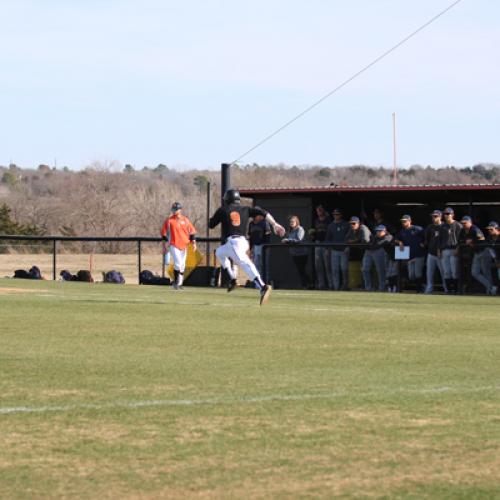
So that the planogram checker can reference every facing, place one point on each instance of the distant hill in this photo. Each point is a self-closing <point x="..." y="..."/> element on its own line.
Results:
<point x="124" y="201"/>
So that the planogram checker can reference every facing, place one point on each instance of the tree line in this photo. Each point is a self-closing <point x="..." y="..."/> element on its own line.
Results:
<point x="114" y="200"/>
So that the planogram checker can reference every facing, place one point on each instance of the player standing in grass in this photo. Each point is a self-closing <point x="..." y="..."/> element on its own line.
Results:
<point x="178" y="232"/>
<point x="234" y="219"/>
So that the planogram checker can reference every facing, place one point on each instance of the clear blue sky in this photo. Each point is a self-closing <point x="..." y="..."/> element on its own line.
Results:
<point x="198" y="82"/>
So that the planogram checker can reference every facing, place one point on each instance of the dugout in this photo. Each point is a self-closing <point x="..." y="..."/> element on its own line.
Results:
<point x="480" y="201"/>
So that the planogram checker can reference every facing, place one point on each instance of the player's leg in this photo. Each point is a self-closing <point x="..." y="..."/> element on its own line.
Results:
<point x="441" y="272"/>
<point x="446" y="267"/>
<point x="477" y="271"/>
<point x="177" y="260"/>
<point x="419" y="264"/>
<point x="335" y="265"/>
<point x="366" y="269"/>
<point x="431" y="268"/>
<point x="240" y="248"/>
<point x="257" y="257"/>
<point x="344" y="267"/>
<point x="223" y="254"/>
<point x="380" y="261"/>
<point x="182" y="266"/>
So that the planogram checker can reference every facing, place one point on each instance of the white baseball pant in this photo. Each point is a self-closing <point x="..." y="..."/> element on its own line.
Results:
<point x="179" y="258"/>
<point x="236" y="249"/>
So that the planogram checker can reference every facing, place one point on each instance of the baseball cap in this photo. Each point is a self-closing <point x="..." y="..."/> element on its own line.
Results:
<point x="448" y="210"/>
<point x="406" y="217"/>
<point x="337" y="211"/>
<point x="492" y="225"/>
<point x="437" y="212"/>
<point x="466" y="218"/>
<point x="380" y="227"/>
<point x="176" y="206"/>
<point x="354" y="219"/>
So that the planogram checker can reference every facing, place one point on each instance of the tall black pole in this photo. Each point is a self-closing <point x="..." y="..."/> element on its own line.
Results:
<point x="207" y="247"/>
<point x="225" y="173"/>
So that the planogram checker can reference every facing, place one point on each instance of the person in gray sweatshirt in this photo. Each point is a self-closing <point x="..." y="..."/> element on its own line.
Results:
<point x="377" y="255"/>
<point x="300" y="254"/>
<point x="357" y="234"/>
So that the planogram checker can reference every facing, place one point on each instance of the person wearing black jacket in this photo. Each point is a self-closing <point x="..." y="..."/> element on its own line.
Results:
<point x="377" y="255"/>
<point x="234" y="219"/>
<point x="473" y="238"/>
<point x="339" y="259"/>
<point x="493" y="237"/>
<point x="449" y="250"/>
<point x="433" y="240"/>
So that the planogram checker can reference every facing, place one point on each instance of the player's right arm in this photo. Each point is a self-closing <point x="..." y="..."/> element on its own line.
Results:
<point x="215" y="219"/>
<point x="165" y="229"/>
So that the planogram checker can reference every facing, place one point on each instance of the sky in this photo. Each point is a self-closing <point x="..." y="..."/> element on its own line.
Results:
<point x="196" y="83"/>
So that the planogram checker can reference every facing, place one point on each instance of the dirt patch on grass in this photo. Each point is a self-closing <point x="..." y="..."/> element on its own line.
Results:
<point x="8" y="291"/>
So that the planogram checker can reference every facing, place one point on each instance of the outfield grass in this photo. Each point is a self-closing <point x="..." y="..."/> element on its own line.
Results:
<point x="111" y="391"/>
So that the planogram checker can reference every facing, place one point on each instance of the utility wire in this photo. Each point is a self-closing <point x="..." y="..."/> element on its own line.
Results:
<point x="336" y="89"/>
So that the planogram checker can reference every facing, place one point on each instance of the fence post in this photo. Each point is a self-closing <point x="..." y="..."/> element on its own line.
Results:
<point x="207" y="244"/>
<point x="139" y="263"/>
<point x="54" y="254"/>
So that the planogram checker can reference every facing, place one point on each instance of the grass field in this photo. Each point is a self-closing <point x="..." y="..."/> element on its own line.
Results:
<point x="111" y="391"/>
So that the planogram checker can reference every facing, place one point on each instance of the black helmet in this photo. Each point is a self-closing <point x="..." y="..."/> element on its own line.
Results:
<point x="176" y="206"/>
<point x="232" y="196"/>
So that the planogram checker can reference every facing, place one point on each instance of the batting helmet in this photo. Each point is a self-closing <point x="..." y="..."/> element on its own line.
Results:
<point x="176" y="206"/>
<point x="232" y="196"/>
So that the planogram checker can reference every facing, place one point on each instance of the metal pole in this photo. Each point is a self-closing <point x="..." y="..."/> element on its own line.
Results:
<point x="54" y="258"/>
<point x="225" y="172"/>
<point x="139" y="263"/>
<point x="395" y="168"/>
<point x="207" y="244"/>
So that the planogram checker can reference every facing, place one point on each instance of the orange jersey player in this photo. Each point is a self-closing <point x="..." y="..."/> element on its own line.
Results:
<point x="178" y="232"/>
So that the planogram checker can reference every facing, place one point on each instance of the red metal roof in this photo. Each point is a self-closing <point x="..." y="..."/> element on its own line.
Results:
<point x="366" y="188"/>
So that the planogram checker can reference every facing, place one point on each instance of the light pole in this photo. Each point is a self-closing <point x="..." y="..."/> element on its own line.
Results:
<point x="395" y="167"/>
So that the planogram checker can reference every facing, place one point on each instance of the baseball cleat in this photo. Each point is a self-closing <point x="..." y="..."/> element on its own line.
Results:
<point x="231" y="286"/>
<point x="264" y="294"/>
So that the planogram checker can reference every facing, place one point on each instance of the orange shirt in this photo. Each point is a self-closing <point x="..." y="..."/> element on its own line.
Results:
<point x="178" y="231"/>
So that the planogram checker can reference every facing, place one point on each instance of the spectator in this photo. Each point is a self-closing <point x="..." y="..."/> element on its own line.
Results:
<point x="449" y="251"/>
<point x="493" y="237"/>
<point x="378" y="219"/>
<point x="433" y="241"/>
<point x="321" y="254"/>
<point x="472" y="237"/>
<point x="358" y="234"/>
<point x="259" y="233"/>
<point x="336" y="233"/>
<point x="376" y="254"/>
<point x="413" y="237"/>
<point x="299" y="254"/>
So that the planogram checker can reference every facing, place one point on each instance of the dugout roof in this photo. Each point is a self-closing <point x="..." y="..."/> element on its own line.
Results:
<point x="481" y="201"/>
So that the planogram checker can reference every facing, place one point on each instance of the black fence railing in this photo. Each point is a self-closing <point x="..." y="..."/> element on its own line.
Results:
<point x="466" y="282"/>
<point x="139" y="240"/>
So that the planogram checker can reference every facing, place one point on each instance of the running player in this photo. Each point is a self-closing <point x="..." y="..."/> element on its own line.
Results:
<point x="234" y="219"/>
<point x="178" y="232"/>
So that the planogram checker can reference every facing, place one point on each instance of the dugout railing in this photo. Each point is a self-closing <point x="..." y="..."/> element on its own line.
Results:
<point x="466" y="283"/>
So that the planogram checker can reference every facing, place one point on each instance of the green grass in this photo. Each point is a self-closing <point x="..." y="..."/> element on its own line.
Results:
<point x="111" y="391"/>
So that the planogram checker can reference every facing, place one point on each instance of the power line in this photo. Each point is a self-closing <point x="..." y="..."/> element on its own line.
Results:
<point x="343" y="84"/>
